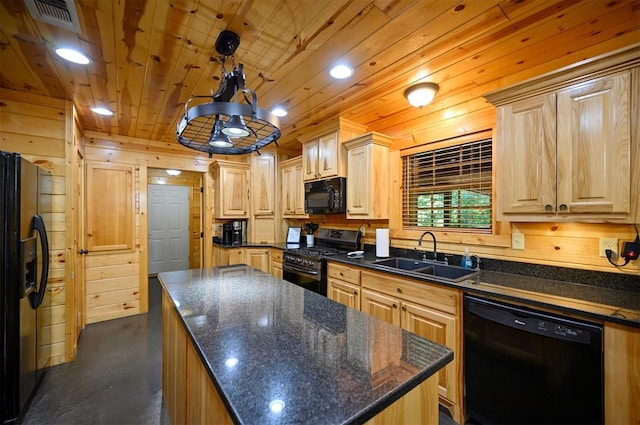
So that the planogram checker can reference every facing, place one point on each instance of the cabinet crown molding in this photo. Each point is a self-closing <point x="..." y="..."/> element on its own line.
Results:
<point x="599" y="66"/>
<point x="371" y="137"/>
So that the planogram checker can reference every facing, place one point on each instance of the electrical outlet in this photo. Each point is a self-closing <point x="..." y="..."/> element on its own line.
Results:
<point x="517" y="241"/>
<point x="608" y="243"/>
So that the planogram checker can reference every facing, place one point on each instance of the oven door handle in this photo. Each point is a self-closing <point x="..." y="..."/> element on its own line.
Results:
<point x="290" y="268"/>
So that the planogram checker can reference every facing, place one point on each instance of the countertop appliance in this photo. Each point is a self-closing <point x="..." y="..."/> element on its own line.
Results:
<point x="530" y="367"/>
<point x="227" y="233"/>
<point x="24" y="267"/>
<point x="239" y="232"/>
<point x="307" y="266"/>
<point x="326" y="196"/>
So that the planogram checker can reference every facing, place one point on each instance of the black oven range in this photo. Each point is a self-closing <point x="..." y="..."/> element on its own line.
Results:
<point x="307" y="266"/>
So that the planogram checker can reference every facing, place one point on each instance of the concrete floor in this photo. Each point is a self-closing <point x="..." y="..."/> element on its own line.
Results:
<point x="116" y="377"/>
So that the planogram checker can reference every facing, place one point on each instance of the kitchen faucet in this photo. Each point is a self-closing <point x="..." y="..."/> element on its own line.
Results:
<point x="435" y="252"/>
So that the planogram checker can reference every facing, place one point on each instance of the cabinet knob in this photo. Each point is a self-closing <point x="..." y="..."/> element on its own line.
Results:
<point x="399" y="290"/>
<point x="547" y="207"/>
<point x="563" y="207"/>
<point x="355" y="292"/>
<point x="394" y="305"/>
<point x="340" y="274"/>
<point x="404" y="308"/>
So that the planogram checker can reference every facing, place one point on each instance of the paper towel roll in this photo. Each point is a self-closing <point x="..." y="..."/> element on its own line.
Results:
<point x="382" y="242"/>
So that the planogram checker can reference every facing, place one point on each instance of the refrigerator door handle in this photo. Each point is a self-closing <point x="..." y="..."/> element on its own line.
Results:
<point x="38" y="296"/>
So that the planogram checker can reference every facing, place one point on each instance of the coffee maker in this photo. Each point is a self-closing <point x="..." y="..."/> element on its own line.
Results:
<point x="227" y="233"/>
<point x="239" y="234"/>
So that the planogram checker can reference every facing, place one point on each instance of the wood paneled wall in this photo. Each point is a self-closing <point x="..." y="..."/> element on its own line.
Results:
<point x="35" y="127"/>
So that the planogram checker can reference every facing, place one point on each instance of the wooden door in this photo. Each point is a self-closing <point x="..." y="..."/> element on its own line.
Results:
<point x="594" y="142"/>
<point x="344" y="293"/>
<point x="168" y="227"/>
<point x="233" y="188"/>
<point x="441" y="328"/>
<point x="286" y="192"/>
<point x="527" y="156"/>
<point x="380" y="306"/>
<point x="328" y="155"/>
<point x="110" y="206"/>
<point x="310" y="160"/>
<point x="297" y="185"/>
<point x="359" y="165"/>
<point x="263" y="184"/>
<point x="258" y="258"/>
<point x="79" y="245"/>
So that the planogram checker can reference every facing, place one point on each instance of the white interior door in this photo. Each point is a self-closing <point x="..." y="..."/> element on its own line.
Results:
<point x="168" y="228"/>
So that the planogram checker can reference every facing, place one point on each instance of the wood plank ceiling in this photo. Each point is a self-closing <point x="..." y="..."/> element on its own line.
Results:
<point x="149" y="56"/>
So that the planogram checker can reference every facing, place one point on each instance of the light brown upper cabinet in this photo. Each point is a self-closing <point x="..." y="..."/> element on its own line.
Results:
<point x="565" y="144"/>
<point x="110" y="206"/>
<point x="368" y="176"/>
<point x="323" y="155"/>
<point x="231" y="182"/>
<point x="263" y="168"/>
<point x="292" y="188"/>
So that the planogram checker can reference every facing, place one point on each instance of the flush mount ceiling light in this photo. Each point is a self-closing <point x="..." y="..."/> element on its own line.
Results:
<point x="279" y="111"/>
<point x="102" y="111"/>
<point x="174" y="172"/>
<point x="72" y="56"/>
<point x="341" y="71"/>
<point x="421" y="94"/>
<point x="232" y="112"/>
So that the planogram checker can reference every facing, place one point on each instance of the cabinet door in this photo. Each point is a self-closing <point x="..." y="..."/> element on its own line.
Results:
<point x="380" y="306"/>
<point x="359" y="165"/>
<point x="258" y="258"/>
<point x="328" y="155"/>
<point x="441" y="328"/>
<point x="110" y="206"/>
<point x="287" y="192"/>
<point x="263" y="184"/>
<point x="527" y="156"/>
<point x="344" y="293"/>
<point x="310" y="160"/>
<point x="276" y="263"/>
<point x="297" y="184"/>
<point x="594" y="145"/>
<point x="233" y="193"/>
<point x="236" y="256"/>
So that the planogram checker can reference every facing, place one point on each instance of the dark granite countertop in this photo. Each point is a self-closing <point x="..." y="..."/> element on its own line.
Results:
<point x="264" y="339"/>
<point x="597" y="302"/>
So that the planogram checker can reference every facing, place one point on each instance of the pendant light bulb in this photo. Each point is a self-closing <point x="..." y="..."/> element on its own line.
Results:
<point x="235" y="127"/>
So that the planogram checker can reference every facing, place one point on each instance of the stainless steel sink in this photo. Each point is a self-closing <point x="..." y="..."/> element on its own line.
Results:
<point x="439" y="271"/>
<point x="403" y="263"/>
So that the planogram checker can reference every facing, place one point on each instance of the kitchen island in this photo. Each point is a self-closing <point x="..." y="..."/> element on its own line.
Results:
<point x="241" y="346"/>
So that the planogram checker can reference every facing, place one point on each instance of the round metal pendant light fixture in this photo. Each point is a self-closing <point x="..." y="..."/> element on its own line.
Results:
<point x="231" y="123"/>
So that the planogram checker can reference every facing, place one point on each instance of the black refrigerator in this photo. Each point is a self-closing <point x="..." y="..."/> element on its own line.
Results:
<point x="24" y="267"/>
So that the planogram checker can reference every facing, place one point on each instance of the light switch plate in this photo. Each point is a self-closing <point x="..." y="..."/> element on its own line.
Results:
<point x="517" y="241"/>
<point x="608" y="243"/>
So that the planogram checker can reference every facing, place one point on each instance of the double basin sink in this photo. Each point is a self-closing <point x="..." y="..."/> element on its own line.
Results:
<point x="429" y="269"/>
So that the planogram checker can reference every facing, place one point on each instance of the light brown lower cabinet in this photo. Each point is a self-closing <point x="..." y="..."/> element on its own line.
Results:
<point x="621" y="374"/>
<point x="427" y="310"/>
<point x="276" y="262"/>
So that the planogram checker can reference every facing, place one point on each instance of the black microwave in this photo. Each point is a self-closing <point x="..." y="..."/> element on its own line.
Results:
<point x="326" y="196"/>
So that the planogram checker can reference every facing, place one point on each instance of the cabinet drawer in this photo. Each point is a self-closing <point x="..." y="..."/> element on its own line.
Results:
<point x="345" y="273"/>
<point x="276" y="255"/>
<point x="445" y="300"/>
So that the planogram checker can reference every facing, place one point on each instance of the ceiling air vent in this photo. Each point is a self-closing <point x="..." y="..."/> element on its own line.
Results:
<point x="60" y="13"/>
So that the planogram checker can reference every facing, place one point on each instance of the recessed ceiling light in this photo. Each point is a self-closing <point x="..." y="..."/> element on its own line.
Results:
<point x="72" y="56"/>
<point x="341" y="71"/>
<point x="279" y="111"/>
<point x="102" y="111"/>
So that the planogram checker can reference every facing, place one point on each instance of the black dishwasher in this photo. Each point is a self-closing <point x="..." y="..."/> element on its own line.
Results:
<point x="524" y="366"/>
